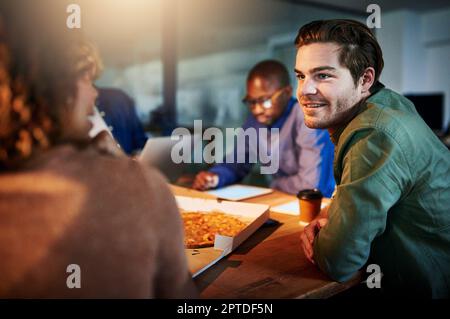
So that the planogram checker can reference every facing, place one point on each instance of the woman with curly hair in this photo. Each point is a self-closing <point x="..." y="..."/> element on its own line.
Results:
<point x="64" y="204"/>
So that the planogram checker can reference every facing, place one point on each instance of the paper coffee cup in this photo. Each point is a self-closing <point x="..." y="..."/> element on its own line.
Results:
<point x="310" y="201"/>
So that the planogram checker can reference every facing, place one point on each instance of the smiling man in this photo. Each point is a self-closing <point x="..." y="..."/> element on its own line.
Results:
<point x="391" y="205"/>
<point x="305" y="155"/>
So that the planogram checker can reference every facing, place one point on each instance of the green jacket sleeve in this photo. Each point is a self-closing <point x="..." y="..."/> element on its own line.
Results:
<point x="374" y="173"/>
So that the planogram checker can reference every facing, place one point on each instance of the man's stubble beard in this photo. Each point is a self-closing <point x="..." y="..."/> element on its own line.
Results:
<point x="339" y="119"/>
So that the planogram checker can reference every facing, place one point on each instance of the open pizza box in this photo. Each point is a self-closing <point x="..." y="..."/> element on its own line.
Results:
<point x="255" y="215"/>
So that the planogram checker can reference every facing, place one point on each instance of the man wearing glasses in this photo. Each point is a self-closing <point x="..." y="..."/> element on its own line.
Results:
<point x="306" y="155"/>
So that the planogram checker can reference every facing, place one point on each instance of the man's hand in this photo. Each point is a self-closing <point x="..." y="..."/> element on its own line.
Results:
<point x="309" y="234"/>
<point x="204" y="180"/>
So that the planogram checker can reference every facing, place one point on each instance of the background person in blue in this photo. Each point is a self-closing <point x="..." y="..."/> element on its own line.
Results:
<point x="119" y="113"/>
<point x="306" y="155"/>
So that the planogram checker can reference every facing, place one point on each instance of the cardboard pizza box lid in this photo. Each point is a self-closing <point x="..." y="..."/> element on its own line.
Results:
<point x="255" y="215"/>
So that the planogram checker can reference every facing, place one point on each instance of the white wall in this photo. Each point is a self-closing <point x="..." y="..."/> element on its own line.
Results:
<point x="436" y="38"/>
<point x="210" y="87"/>
<point x="416" y="49"/>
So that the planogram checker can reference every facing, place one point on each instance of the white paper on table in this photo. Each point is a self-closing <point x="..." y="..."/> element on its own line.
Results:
<point x="291" y="208"/>
<point x="239" y="192"/>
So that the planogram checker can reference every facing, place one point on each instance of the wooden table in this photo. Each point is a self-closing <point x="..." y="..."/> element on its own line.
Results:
<point x="270" y="264"/>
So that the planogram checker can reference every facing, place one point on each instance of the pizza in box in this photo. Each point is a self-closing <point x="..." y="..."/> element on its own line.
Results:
<point x="200" y="228"/>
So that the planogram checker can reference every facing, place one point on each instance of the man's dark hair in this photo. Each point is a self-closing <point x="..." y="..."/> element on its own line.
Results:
<point x="359" y="47"/>
<point x="272" y="70"/>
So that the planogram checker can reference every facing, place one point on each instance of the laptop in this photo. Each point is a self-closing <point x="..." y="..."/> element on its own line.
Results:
<point x="157" y="153"/>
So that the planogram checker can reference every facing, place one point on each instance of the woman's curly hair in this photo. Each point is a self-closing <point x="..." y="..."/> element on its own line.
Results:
<point x="38" y="76"/>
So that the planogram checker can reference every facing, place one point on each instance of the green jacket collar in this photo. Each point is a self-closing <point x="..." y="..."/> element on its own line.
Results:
<point x="362" y="107"/>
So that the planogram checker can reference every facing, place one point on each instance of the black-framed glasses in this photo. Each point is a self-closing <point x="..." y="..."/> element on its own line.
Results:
<point x="265" y="102"/>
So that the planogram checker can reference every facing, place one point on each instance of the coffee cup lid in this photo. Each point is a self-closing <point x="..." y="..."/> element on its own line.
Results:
<point x="310" y="194"/>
